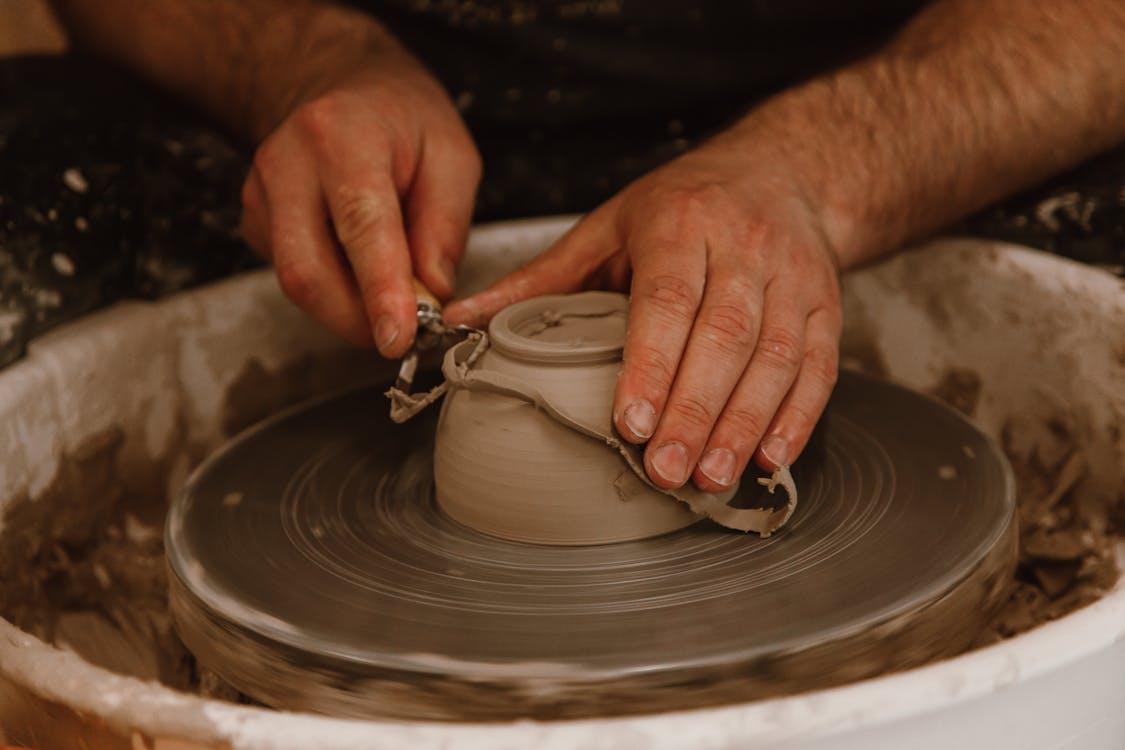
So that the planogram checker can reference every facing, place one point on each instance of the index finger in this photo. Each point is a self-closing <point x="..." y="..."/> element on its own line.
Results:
<point x="667" y="288"/>
<point x="365" y="211"/>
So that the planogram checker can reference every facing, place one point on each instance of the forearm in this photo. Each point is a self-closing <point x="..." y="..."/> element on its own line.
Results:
<point x="973" y="100"/>
<point x="248" y="62"/>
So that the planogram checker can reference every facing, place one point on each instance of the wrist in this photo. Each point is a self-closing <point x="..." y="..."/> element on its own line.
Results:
<point x="333" y="44"/>
<point x="780" y="149"/>
<point x="828" y="141"/>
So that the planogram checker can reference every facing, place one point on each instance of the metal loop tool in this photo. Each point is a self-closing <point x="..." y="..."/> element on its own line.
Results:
<point x="433" y="332"/>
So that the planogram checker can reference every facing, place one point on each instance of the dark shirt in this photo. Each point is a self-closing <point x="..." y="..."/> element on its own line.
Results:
<point x="630" y="82"/>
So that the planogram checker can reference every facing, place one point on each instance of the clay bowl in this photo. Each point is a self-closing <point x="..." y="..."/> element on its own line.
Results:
<point x="504" y="461"/>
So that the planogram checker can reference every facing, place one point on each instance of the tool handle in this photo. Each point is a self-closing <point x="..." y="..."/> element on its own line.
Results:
<point x="425" y="296"/>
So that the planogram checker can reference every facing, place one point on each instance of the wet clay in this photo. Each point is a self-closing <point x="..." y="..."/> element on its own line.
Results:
<point x="526" y="448"/>
<point x="1068" y="541"/>
<point x="1067" y="545"/>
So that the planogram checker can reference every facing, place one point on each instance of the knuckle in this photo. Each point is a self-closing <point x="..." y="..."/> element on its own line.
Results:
<point x="318" y="117"/>
<point x="753" y="234"/>
<point x="698" y="200"/>
<point x="299" y="280"/>
<point x="780" y="348"/>
<point x="671" y="296"/>
<point x="831" y="290"/>
<point x="265" y="159"/>
<point x="823" y="365"/>
<point x="653" y="369"/>
<point x="692" y="411"/>
<point x="800" y="416"/>
<point x="821" y="280"/>
<point x="745" y="425"/>
<point x="356" y="213"/>
<point x="728" y="326"/>
<point x="684" y="198"/>
<point x="376" y="289"/>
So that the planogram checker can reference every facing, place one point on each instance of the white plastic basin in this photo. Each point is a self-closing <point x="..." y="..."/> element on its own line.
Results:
<point x="169" y="381"/>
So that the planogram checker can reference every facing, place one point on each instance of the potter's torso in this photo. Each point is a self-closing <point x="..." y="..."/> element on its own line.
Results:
<point x="572" y="61"/>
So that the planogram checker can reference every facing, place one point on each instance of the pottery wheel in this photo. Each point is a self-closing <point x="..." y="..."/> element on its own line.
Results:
<point x="312" y="569"/>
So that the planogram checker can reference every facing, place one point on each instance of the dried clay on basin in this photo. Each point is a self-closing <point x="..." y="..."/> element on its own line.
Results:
<point x="525" y="446"/>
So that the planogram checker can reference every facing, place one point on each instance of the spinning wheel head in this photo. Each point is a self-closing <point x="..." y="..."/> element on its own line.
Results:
<point x="312" y="569"/>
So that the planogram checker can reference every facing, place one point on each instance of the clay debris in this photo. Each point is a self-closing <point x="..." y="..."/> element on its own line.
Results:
<point x="1067" y="540"/>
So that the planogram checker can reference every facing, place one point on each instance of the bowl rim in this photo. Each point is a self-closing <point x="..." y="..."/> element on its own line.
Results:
<point x="507" y="329"/>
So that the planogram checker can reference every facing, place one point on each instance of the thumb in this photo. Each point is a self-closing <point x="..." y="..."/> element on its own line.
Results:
<point x="562" y="268"/>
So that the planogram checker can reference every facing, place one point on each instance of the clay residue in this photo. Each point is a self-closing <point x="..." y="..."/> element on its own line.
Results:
<point x="82" y="563"/>
<point x="960" y="388"/>
<point x="1068" y="540"/>
<point x="258" y="392"/>
<point x="580" y="329"/>
<point x="83" y="568"/>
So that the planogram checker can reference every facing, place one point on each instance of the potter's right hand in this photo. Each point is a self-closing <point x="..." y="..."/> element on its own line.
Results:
<point x="370" y="179"/>
<point x="734" y="318"/>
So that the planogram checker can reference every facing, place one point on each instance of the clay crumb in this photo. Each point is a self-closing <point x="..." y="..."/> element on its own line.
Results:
<point x="947" y="472"/>
<point x="232" y="499"/>
<point x="74" y="179"/>
<point x="102" y="575"/>
<point x="63" y="265"/>
<point x="960" y="388"/>
<point x="1067" y="542"/>
<point x="140" y="533"/>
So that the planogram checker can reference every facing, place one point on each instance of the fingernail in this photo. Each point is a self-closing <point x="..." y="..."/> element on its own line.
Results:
<point x="671" y="463"/>
<point x="776" y="450"/>
<point x="719" y="465"/>
<point x="386" y="331"/>
<point x="640" y="418"/>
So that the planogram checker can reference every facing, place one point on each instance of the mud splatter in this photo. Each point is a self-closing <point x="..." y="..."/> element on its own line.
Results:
<point x="960" y="388"/>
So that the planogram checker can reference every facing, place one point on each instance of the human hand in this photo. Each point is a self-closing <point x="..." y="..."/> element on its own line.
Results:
<point x="371" y="179"/>
<point x="734" y="320"/>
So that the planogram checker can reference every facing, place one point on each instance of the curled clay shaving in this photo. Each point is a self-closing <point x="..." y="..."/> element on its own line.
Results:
<point x="405" y="405"/>
<point x="457" y="369"/>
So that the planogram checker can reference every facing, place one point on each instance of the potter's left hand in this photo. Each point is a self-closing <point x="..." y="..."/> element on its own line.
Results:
<point x="734" y="321"/>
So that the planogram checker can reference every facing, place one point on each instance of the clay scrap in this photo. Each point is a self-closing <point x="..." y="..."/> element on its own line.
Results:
<point x="1067" y="539"/>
